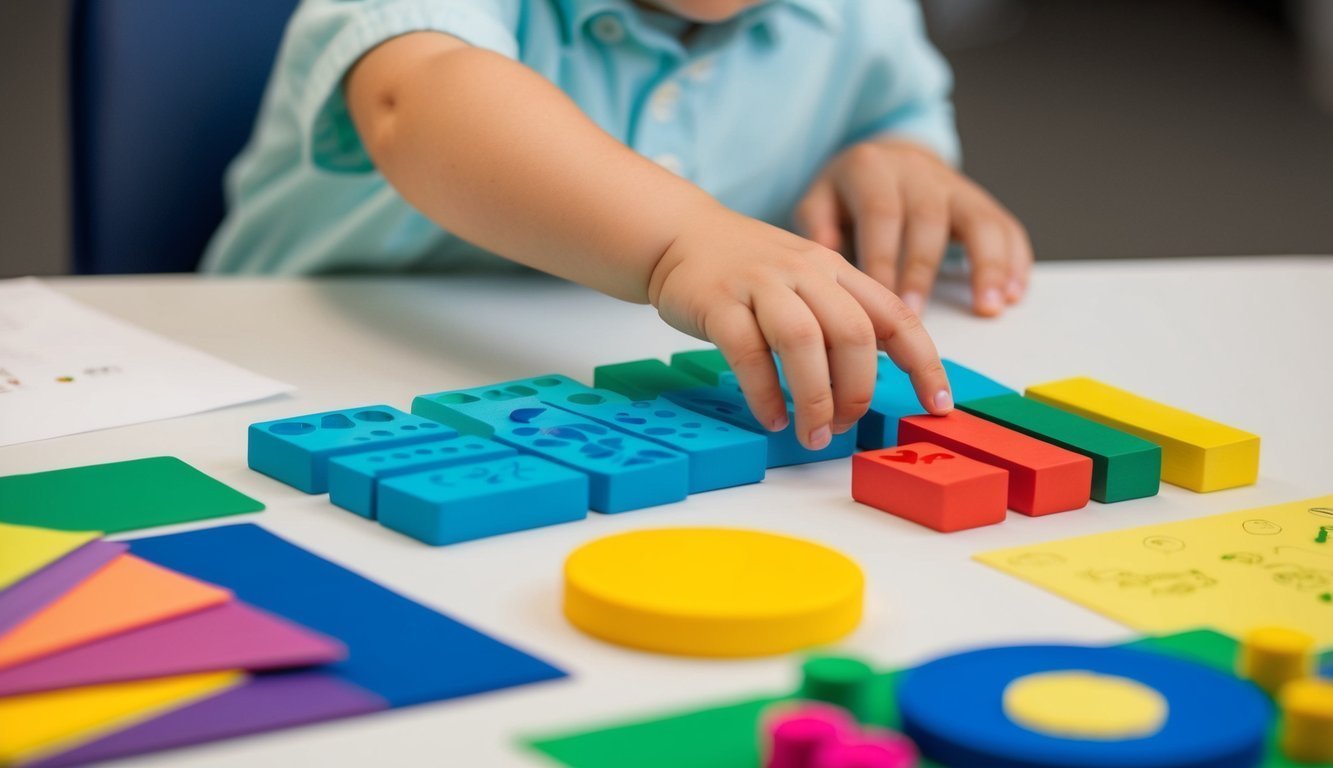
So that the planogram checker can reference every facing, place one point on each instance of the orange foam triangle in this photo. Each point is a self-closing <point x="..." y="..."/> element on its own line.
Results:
<point x="126" y="594"/>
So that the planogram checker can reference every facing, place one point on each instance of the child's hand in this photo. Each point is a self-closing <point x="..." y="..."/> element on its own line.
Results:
<point x="904" y="205"/>
<point x="749" y="287"/>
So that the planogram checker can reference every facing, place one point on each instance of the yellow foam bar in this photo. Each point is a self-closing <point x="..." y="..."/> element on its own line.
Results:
<point x="1197" y="453"/>
<point x="37" y="725"/>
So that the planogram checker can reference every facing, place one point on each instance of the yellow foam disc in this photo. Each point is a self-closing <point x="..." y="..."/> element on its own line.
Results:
<point x="1078" y="704"/>
<point x="712" y="591"/>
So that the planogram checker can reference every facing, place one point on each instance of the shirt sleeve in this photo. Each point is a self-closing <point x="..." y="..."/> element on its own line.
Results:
<point x="325" y="38"/>
<point x="906" y="83"/>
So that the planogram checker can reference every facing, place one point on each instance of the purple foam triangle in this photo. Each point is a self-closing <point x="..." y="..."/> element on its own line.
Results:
<point x="230" y="636"/>
<point x="264" y="703"/>
<point x="42" y="588"/>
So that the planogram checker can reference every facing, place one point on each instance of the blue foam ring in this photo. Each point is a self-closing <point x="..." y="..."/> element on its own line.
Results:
<point x="953" y="709"/>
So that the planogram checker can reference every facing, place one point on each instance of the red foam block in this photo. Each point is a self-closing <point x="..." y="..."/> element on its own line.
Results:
<point x="930" y="485"/>
<point x="1043" y="478"/>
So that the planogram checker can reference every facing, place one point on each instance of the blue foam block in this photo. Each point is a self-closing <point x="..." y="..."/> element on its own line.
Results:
<point x="953" y="709"/>
<point x="784" y="448"/>
<point x="353" y="478"/>
<point x="397" y="649"/>
<point x="297" y="450"/>
<point x="471" y="501"/>
<point x="895" y="398"/>
<point x="721" y="455"/>
<point x="625" y="472"/>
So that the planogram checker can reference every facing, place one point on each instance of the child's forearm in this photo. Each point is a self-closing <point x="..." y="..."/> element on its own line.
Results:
<point x="494" y="153"/>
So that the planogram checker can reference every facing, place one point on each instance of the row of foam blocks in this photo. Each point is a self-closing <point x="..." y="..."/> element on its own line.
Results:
<point x="477" y="462"/>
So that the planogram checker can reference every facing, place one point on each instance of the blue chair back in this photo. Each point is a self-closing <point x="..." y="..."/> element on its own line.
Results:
<point x="163" y="94"/>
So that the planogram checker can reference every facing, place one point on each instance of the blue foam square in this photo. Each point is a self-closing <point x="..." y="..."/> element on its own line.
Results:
<point x="353" y="478"/>
<point x="297" y="450"/>
<point x="471" y="501"/>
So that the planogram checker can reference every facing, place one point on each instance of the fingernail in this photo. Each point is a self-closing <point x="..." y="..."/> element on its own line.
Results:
<point x="838" y="429"/>
<point x="1015" y="290"/>
<point x="943" y="400"/>
<point x="913" y="301"/>
<point x="820" y="438"/>
<point x="779" y="424"/>
<point x="991" y="300"/>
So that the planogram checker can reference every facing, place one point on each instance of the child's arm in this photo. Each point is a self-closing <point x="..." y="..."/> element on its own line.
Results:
<point x="497" y="155"/>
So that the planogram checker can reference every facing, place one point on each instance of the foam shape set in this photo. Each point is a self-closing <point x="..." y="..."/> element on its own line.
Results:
<point x="1177" y="704"/>
<point x="374" y="649"/>
<point x="648" y="433"/>
<point x="120" y="496"/>
<point x="712" y="591"/>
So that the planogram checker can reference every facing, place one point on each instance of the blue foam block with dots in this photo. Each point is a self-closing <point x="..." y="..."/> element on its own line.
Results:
<point x="396" y="648"/>
<point x="953" y="709"/>
<point x="471" y="501"/>
<point x="625" y="472"/>
<point x="297" y="450"/>
<point x="721" y="455"/>
<point x="895" y="398"/>
<point x="354" y="478"/>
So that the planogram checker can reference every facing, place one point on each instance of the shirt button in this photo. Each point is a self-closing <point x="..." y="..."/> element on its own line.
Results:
<point x="608" y="29"/>
<point x="670" y="162"/>
<point x="700" y="70"/>
<point x="664" y="101"/>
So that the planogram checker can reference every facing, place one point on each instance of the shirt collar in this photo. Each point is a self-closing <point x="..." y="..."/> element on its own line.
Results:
<point x="577" y="13"/>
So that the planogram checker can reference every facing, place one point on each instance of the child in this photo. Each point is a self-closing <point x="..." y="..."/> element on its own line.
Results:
<point x="650" y="149"/>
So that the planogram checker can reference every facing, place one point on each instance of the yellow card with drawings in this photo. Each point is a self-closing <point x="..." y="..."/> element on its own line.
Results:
<point x="1231" y="572"/>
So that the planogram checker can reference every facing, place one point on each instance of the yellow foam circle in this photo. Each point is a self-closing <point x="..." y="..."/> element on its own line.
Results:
<point x="1078" y="704"/>
<point x="712" y="591"/>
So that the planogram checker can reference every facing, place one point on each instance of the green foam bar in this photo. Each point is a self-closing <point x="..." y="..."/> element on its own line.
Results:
<point x="643" y="379"/>
<point x="1123" y="466"/>
<point x="703" y="364"/>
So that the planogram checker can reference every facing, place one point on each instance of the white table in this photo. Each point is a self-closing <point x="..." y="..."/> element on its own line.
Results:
<point x="1243" y="341"/>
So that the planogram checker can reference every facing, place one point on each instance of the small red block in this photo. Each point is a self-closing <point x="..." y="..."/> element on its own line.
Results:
<point x="1043" y="478"/>
<point x="930" y="485"/>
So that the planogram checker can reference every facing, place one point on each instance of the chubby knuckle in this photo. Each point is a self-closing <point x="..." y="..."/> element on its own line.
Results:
<point x="800" y="334"/>
<point x="819" y="402"/>
<point x="904" y="319"/>
<point x="863" y="153"/>
<point x="751" y="356"/>
<point x="853" y="331"/>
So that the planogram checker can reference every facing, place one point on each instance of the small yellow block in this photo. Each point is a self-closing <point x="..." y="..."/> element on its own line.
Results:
<point x="1307" y="720"/>
<point x="1274" y="656"/>
<point x="1197" y="453"/>
<point x="1078" y="704"/>
<point x="712" y="591"/>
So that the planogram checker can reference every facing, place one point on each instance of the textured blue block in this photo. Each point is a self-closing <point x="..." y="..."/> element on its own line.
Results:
<point x="297" y="450"/>
<point x="625" y="472"/>
<point x="396" y="648"/>
<point x="472" y="501"/>
<point x="895" y="398"/>
<point x="353" y="478"/>
<point x="721" y="455"/>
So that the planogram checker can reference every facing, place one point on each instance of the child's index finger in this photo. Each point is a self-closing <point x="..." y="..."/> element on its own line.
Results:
<point x="902" y="336"/>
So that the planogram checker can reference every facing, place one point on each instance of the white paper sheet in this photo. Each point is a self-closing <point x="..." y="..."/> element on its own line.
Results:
<point x="66" y="368"/>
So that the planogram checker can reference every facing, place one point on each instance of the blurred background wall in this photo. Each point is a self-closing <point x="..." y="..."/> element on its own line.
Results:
<point x="1113" y="128"/>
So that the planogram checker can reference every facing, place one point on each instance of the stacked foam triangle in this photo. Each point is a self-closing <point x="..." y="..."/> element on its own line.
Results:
<point x="93" y="638"/>
<point x="110" y="649"/>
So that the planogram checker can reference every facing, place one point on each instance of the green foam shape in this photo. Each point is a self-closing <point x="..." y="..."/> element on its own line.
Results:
<point x="643" y="379"/>
<point x="1123" y="466"/>
<point x="726" y="736"/>
<point x="121" y="496"/>
<point x="703" y="364"/>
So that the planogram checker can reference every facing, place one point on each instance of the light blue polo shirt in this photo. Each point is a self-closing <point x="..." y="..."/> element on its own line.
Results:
<point x="750" y="111"/>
